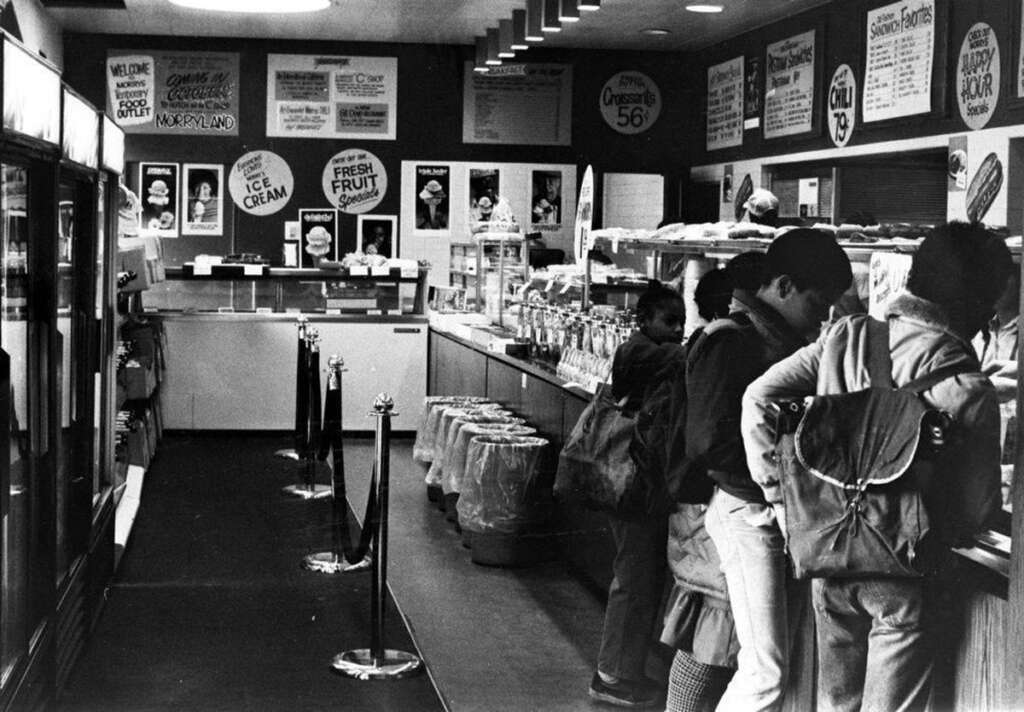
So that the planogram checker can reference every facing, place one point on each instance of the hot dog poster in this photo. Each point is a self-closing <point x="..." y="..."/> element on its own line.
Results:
<point x="181" y="93"/>
<point x="984" y="188"/>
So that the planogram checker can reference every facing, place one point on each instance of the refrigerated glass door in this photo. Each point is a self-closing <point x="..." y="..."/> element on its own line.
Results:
<point x="15" y="493"/>
<point x="67" y="235"/>
<point x="103" y="377"/>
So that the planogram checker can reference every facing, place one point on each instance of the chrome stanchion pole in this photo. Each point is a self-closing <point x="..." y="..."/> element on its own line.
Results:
<point x="300" y="392"/>
<point x="337" y="561"/>
<point x="378" y="662"/>
<point x="310" y="446"/>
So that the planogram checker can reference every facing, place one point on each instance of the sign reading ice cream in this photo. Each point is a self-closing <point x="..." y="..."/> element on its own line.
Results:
<point x="354" y="181"/>
<point x="261" y="183"/>
<point x="174" y="92"/>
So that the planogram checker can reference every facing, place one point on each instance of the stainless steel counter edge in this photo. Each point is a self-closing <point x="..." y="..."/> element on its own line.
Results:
<point x="291" y="317"/>
<point x="536" y="369"/>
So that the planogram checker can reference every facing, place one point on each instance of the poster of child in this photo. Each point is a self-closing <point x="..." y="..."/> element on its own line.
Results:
<point x="203" y="202"/>
<point x="547" y="198"/>
<point x="377" y="235"/>
<point x="158" y="193"/>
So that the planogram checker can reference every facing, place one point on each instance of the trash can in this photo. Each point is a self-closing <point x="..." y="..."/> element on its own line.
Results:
<point x="499" y="504"/>
<point x="426" y="431"/>
<point x="447" y="414"/>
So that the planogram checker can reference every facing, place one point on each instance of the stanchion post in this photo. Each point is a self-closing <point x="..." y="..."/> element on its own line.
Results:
<point x="310" y="430"/>
<point x="377" y="662"/>
<point x="300" y="392"/>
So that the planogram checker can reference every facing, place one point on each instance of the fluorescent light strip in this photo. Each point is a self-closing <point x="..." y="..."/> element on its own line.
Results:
<point x="567" y="11"/>
<point x="588" y="5"/>
<point x="505" y="39"/>
<point x="255" y="6"/>
<point x="492" y="47"/>
<point x="534" y="20"/>
<point x="519" y="30"/>
<point x="551" y="23"/>
<point x="704" y="8"/>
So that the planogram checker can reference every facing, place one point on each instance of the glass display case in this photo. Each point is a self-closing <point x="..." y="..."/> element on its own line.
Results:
<point x="229" y="289"/>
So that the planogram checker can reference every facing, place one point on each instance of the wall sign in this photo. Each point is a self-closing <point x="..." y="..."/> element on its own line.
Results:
<point x="984" y="187"/>
<point x="977" y="76"/>
<point x="319" y="236"/>
<point x="354" y="181"/>
<point x="898" y="61"/>
<point x="315" y="96"/>
<point x="158" y="196"/>
<point x="261" y="183"/>
<point x="582" y="241"/>
<point x="753" y="91"/>
<point x="725" y="105"/>
<point x="789" y="86"/>
<point x="630" y="102"/>
<point x="957" y="165"/>
<point x="842" y="105"/>
<point x="534" y="108"/>
<point x="182" y="93"/>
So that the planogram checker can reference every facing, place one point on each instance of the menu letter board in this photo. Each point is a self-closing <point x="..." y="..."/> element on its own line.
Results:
<point x="182" y="93"/>
<point x="898" y="60"/>
<point x="789" y="86"/>
<point x="530" y="108"/>
<point x="312" y="96"/>
<point x="725" y="104"/>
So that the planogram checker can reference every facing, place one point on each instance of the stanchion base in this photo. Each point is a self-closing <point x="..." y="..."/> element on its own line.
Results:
<point x="307" y="491"/>
<point x="359" y="664"/>
<point x="327" y="562"/>
<point x="287" y="454"/>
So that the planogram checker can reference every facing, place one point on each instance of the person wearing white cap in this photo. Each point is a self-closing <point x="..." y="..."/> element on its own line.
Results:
<point x="762" y="207"/>
<point x="430" y="216"/>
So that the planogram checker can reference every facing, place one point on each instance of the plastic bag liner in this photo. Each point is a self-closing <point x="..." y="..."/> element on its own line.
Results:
<point x="443" y="424"/>
<point x="498" y="494"/>
<point x="462" y="432"/>
<point x="423" y="447"/>
<point x="453" y="423"/>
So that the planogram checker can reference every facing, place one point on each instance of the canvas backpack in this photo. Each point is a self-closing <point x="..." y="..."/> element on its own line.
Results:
<point x="856" y="471"/>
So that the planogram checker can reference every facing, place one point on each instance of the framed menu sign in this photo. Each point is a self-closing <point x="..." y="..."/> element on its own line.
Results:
<point x="725" y="104"/>
<point x="789" y="86"/>
<point x="898" y="60"/>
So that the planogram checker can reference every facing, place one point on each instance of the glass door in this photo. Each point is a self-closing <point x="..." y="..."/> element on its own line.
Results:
<point x="15" y="492"/>
<point x="104" y="329"/>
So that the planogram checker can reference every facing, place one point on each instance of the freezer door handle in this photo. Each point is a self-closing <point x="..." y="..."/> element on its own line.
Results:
<point x="407" y="330"/>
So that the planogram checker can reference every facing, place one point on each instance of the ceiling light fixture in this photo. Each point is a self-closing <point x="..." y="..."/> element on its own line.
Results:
<point x="534" y="20"/>
<point x="505" y="39"/>
<point x="550" y="22"/>
<point x="519" y="30"/>
<point x="657" y="31"/>
<point x="492" y="47"/>
<point x="567" y="11"/>
<point x="706" y="8"/>
<point x="255" y="6"/>
<point x="589" y="5"/>
<point x="481" y="55"/>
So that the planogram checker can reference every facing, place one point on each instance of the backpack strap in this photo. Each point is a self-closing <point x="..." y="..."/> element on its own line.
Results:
<point x="922" y="383"/>
<point x="879" y="359"/>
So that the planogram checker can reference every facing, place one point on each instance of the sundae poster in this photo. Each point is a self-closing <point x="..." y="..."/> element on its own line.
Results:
<point x="158" y="196"/>
<point x="181" y="93"/>
<point x="433" y="200"/>
<point x="318" y="236"/>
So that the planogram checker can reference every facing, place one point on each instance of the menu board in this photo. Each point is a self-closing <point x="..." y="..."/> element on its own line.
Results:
<point x="315" y="96"/>
<point x="789" y="86"/>
<point x="183" y="93"/>
<point x="528" y="104"/>
<point x="898" y="62"/>
<point x="725" y="104"/>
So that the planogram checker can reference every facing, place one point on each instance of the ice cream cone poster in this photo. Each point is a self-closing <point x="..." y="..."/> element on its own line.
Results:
<point x="158" y="195"/>
<point x="318" y="236"/>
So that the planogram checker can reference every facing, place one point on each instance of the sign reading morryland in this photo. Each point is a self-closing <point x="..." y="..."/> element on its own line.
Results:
<point x="173" y="92"/>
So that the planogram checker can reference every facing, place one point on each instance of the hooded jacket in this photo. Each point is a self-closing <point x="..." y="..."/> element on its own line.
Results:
<point x="920" y="340"/>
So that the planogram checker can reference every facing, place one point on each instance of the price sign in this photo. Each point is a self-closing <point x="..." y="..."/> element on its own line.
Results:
<point x="842" y="105"/>
<point x="630" y="102"/>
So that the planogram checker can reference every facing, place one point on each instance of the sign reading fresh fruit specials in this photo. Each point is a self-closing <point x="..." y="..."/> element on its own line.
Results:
<point x="630" y="102"/>
<point x="977" y="76"/>
<point x="354" y="181"/>
<point x="261" y="183"/>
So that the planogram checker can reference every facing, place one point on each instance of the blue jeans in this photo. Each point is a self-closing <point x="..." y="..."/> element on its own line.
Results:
<point x="763" y="598"/>
<point x="874" y="653"/>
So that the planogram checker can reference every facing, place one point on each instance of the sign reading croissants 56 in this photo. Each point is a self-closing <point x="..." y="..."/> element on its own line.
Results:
<point x="630" y="102"/>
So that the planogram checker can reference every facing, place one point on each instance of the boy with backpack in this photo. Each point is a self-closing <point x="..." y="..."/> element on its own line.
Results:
<point x="805" y="273"/>
<point x="955" y="280"/>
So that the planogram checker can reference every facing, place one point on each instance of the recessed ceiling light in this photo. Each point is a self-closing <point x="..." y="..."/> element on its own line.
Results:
<point x="655" y="31"/>
<point x="255" y="5"/>
<point x="704" y="8"/>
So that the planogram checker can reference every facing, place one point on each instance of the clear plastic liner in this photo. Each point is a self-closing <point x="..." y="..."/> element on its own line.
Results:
<point x="450" y="428"/>
<point x="443" y="423"/>
<point x="498" y="493"/>
<point x="423" y="447"/>
<point x="463" y="430"/>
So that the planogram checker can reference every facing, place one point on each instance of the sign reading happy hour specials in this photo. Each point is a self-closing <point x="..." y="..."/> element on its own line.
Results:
<point x="630" y="102"/>
<point x="898" y="61"/>
<point x="977" y="76"/>
<point x="725" y="104"/>
<point x="789" y="86"/>
<point x="314" y="96"/>
<point x="173" y="92"/>
<point x="842" y="105"/>
<point x="354" y="181"/>
<point x="261" y="183"/>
